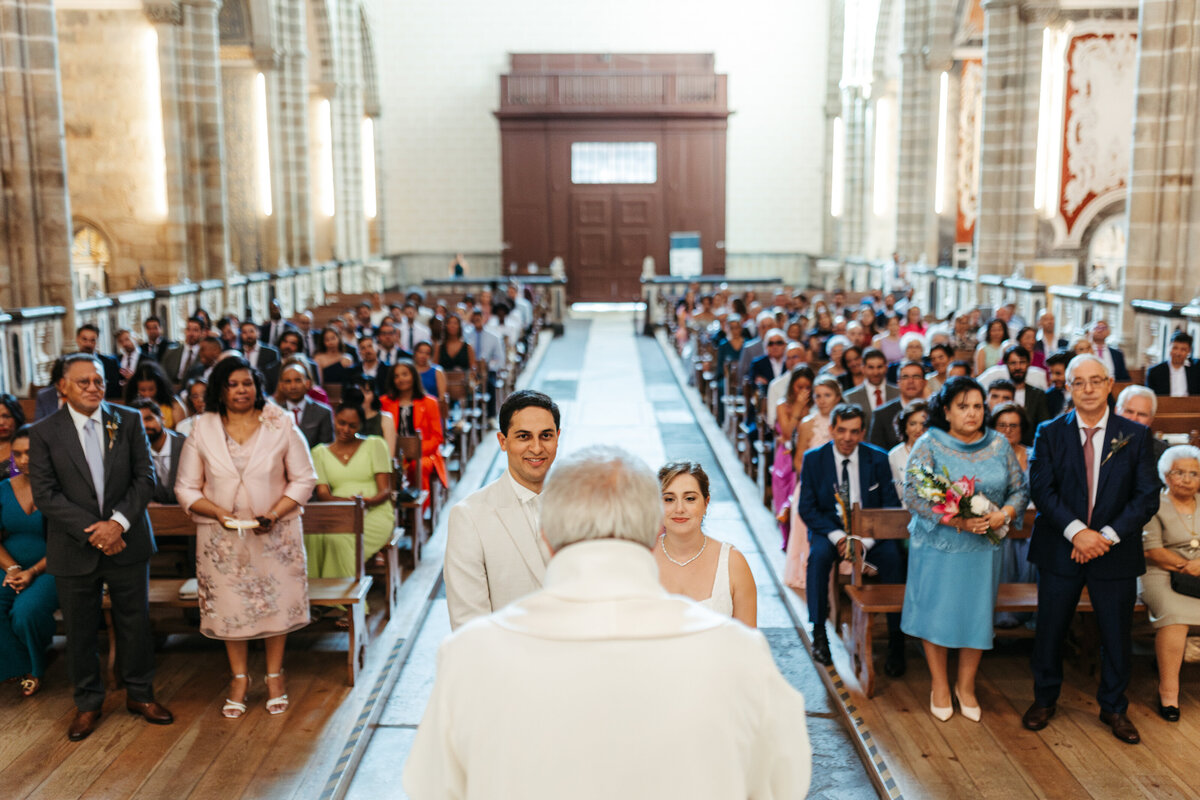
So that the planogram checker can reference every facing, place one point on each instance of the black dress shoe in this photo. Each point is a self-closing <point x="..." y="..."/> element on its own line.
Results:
<point x="896" y="664"/>
<point x="1169" y="713"/>
<point x="1037" y="717"/>
<point x="1121" y="725"/>
<point x="83" y="725"/>
<point x="152" y="712"/>
<point x="820" y="649"/>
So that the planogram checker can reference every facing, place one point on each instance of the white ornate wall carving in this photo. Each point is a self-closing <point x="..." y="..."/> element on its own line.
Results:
<point x="1101" y="64"/>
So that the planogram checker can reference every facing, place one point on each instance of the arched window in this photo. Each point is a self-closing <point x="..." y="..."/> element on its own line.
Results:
<point x="90" y="257"/>
<point x="1106" y="253"/>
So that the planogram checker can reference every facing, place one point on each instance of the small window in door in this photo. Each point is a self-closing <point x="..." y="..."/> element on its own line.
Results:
<point x="614" y="162"/>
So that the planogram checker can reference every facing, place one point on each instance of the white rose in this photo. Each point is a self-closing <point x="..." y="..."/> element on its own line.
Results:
<point x="980" y="505"/>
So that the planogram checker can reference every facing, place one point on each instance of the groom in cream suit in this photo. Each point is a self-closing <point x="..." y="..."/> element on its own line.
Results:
<point x="494" y="548"/>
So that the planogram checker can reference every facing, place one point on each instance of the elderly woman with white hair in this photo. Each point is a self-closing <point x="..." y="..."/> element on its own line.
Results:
<point x="1171" y="540"/>
<point x="598" y="683"/>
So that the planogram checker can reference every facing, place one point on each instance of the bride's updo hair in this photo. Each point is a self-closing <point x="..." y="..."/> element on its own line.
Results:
<point x="674" y="469"/>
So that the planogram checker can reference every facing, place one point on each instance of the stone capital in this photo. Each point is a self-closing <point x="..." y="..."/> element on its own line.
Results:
<point x="998" y="5"/>
<point x="938" y="59"/>
<point x="266" y="57"/>
<point x="1040" y="11"/>
<point x="163" y="12"/>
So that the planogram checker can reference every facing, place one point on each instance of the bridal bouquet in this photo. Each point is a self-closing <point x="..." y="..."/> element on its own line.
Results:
<point x="953" y="498"/>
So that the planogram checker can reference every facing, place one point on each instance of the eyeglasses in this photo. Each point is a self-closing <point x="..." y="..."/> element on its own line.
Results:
<point x="1095" y="383"/>
<point x="1189" y="474"/>
<point x="1008" y="426"/>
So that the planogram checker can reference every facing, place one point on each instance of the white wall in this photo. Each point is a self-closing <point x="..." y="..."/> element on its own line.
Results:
<point x="439" y="66"/>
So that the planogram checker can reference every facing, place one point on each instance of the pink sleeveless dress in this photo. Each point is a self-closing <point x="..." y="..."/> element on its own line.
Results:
<point x="796" y="563"/>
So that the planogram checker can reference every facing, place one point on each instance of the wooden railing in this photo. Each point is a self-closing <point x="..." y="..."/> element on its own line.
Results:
<point x="612" y="91"/>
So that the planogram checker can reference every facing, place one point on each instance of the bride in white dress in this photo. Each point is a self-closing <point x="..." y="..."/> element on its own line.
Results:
<point x="690" y="562"/>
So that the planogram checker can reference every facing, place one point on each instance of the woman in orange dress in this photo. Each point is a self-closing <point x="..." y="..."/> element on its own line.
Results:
<point x="416" y="413"/>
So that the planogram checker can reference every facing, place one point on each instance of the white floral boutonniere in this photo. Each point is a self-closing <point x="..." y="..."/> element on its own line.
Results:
<point x="272" y="417"/>
<point x="1117" y="444"/>
<point x="112" y="426"/>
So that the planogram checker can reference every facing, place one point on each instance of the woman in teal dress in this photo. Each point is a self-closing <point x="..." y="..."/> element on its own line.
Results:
<point x="27" y="596"/>
<point x="954" y="569"/>
<point x="349" y="466"/>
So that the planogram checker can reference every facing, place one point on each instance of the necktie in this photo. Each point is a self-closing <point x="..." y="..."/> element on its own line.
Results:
<point x="296" y="414"/>
<point x="878" y="397"/>
<point x="846" y="478"/>
<point x="95" y="458"/>
<point x="1089" y="454"/>
<point x="187" y="364"/>
<point x="408" y="342"/>
<point x="478" y="341"/>
<point x="1100" y="352"/>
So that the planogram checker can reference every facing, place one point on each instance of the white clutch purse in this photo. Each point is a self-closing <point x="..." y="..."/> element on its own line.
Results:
<point x="190" y="590"/>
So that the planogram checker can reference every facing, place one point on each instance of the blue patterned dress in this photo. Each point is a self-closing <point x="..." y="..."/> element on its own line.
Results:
<point x="953" y="577"/>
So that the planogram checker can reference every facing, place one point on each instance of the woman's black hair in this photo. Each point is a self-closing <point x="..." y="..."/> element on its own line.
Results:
<point x="987" y="330"/>
<point x="352" y="400"/>
<point x="906" y="412"/>
<point x="950" y="390"/>
<point x="321" y="340"/>
<point x="845" y="351"/>
<point x="20" y="433"/>
<point x="801" y="371"/>
<point x="357" y="382"/>
<point x="418" y="389"/>
<point x="149" y="371"/>
<point x="14" y="407"/>
<point x="214" y="396"/>
<point x="1011" y="408"/>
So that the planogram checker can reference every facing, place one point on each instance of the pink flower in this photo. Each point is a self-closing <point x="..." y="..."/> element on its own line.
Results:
<point x="948" y="509"/>
<point x="964" y="486"/>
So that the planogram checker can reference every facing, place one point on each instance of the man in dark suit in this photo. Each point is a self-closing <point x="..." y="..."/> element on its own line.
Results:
<point x="165" y="447"/>
<point x="290" y="344"/>
<point x="1179" y="375"/>
<point x="861" y="474"/>
<point x="270" y="331"/>
<point x="883" y="422"/>
<point x="1030" y="398"/>
<point x="48" y="398"/>
<point x="874" y="390"/>
<point x="1093" y="479"/>
<point x="87" y="339"/>
<point x="178" y="361"/>
<point x="1056" y="392"/>
<point x="770" y="365"/>
<point x="1113" y="358"/>
<point x="313" y="418"/>
<point x="156" y="345"/>
<point x="1048" y="340"/>
<point x="92" y="476"/>
<point x="261" y="356"/>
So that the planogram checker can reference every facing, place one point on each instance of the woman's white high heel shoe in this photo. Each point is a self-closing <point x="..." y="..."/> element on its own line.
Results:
<point x="972" y="713"/>
<point x="939" y="713"/>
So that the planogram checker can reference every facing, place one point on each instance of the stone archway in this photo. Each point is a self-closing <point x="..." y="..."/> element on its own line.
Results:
<point x="91" y="255"/>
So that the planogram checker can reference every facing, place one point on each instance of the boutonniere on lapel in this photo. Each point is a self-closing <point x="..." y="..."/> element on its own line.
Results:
<point x="111" y="426"/>
<point x="1117" y="444"/>
<point x="272" y="417"/>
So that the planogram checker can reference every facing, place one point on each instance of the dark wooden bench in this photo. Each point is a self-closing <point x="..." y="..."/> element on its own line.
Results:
<point x="867" y="599"/>
<point x="341" y="517"/>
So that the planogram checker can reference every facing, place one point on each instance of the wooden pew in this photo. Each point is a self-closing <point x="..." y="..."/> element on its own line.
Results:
<point x="883" y="598"/>
<point x="342" y="517"/>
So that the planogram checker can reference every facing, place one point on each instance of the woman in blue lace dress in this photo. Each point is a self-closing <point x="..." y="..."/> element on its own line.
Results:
<point x="954" y="569"/>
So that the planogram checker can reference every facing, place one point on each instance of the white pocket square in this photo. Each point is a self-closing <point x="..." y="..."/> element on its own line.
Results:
<point x="872" y="487"/>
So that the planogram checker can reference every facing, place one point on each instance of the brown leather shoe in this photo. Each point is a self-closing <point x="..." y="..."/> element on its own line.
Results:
<point x="1122" y="727"/>
<point x="152" y="711"/>
<point x="83" y="725"/>
<point x="1037" y="717"/>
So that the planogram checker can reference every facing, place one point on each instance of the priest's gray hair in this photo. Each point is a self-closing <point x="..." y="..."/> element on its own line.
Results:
<point x="601" y="492"/>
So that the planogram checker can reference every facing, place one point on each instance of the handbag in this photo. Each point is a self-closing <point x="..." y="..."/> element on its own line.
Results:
<point x="1185" y="584"/>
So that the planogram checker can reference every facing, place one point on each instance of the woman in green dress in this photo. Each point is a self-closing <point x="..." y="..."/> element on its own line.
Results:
<point x="351" y="465"/>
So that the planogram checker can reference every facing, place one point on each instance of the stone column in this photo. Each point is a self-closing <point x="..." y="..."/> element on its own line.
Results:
<point x="35" y="226"/>
<point x="350" y="223"/>
<point x="241" y="142"/>
<point x="1007" y="224"/>
<point x="852" y="237"/>
<point x="833" y="109"/>
<point x="1164" y="223"/>
<point x="916" y="230"/>
<point x="288" y="100"/>
<point x="167" y="19"/>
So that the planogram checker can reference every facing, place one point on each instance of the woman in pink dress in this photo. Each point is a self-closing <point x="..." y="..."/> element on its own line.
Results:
<point x="247" y="461"/>
<point x="790" y="411"/>
<point x="812" y="432"/>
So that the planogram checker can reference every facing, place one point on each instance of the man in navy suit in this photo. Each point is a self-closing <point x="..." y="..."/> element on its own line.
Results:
<point x="1179" y="375"/>
<point x="1092" y="477"/>
<point x="862" y="474"/>
<point x="771" y="364"/>
<point x="1113" y="358"/>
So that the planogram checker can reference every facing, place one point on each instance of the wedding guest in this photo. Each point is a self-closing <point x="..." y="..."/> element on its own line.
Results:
<point x="812" y="432"/>
<point x="92" y="476"/>
<point x="860" y="474"/>
<point x="953" y="569"/>
<point x="27" y="595"/>
<point x="494" y="552"/>
<point x="312" y="417"/>
<point x="1141" y="405"/>
<point x="790" y="411"/>
<point x="1011" y="422"/>
<point x="246" y="460"/>
<point x="794" y="356"/>
<point x="888" y="342"/>
<point x="166" y="446"/>
<point x="991" y="349"/>
<point x="883" y="432"/>
<point x="352" y="465"/>
<point x="193" y="402"/>
<point x="1172" y="547"/>
<point x="377" y="421"/>
<point x="150" y="381"/>
<point x="1113" y="358"/>
<point x="1094" y="496"/>
<point x="718" y="579"/>
<point x="605" y="635"/>
<point x="1179" y="374"/>
<point x="940" y="358"/>
<point x="913" y="322"/>
<point x="1056" y="390"/>
<point x="12" y="419"/>
<point x="333" y="358"/>
<point x="453" y="351"/>
<point x="433" y="377"/>
<point x="416" y="414"/>
<point x="1027" y="338"/>
<point x="910" y="424"/>
<point x="874" y="391"/>
<point x="963" y="337"/>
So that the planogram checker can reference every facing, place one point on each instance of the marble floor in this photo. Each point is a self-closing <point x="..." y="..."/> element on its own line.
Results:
<point x="615" y="387"/>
